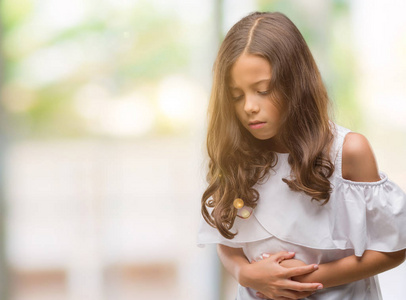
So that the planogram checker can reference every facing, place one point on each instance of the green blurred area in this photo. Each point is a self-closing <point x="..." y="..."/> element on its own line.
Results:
<point x="127" y="49"/>
<point x="120" y="49"/>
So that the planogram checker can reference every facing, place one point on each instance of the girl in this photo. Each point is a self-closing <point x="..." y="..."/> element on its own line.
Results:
<point x="284" y="181"/>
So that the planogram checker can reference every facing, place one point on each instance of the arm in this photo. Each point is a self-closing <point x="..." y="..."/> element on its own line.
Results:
<point x="352" y="268"/>
<point x="267" y="276"/>
<point x="358" y="164"/>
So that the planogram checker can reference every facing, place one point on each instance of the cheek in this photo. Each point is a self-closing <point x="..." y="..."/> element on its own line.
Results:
<point x="238" y="109"/>
<point x="274" y="110"/>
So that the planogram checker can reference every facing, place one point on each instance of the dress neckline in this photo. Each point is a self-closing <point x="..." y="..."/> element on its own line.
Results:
<point x="281" y="154"/>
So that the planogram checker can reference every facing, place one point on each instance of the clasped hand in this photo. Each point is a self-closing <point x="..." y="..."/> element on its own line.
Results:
<point x="274" y="277"/>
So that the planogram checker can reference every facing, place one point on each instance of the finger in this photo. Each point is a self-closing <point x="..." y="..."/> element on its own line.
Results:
<point x="278" y="257"/>
<point x="302" y="287"/>
<point x="260" y="295"/>
<point x="299" y="295"/>
<point x="297" y="271"/>
<point x="287" y="294"/>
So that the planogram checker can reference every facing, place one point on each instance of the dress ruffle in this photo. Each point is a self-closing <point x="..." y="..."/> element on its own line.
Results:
<point x="359" y="216"/>
<point x="249" y="230"/>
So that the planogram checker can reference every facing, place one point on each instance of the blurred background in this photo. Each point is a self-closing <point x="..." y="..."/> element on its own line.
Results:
<point x="103" y="119"/>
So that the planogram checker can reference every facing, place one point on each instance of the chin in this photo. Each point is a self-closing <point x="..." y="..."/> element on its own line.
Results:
<point x="262" y="137"/>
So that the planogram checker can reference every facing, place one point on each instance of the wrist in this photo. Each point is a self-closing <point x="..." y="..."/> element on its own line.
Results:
<point x="243" y="276"/>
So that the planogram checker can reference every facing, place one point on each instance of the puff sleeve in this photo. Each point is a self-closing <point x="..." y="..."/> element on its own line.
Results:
<point x="369" y="216"/>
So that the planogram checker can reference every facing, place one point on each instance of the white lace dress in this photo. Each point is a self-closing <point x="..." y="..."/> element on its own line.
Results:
<point x="359" y="216"/>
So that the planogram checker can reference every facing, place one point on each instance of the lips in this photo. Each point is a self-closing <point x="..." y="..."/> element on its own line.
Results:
<point x="256" y="124"/>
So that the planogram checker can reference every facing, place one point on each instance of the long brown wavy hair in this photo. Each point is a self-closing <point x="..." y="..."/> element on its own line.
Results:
<point x="237" y="160"/>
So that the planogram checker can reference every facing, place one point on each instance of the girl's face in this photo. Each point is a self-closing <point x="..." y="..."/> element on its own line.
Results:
<point x="249" y="86"/>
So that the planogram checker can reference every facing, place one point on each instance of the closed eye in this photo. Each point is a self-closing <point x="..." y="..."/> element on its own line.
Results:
<point x="264" y="93"/>
<point x="237" y="98"/>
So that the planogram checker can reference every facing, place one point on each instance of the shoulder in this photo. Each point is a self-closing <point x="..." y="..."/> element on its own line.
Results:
<point x="358" y="159"/>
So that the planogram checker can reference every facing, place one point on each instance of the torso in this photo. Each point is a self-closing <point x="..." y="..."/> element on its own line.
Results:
<point x="276" y="198"/>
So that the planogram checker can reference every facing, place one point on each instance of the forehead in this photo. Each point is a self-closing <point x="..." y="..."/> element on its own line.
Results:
<point x="249" y="69"/>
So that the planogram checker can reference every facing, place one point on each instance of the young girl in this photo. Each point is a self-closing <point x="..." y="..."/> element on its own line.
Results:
<point x="295" y="202"/>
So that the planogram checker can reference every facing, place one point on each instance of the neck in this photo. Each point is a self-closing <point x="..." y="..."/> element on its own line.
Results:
<point x="276" y="145"/>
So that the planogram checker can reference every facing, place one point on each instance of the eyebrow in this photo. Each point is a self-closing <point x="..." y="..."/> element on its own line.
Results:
<point x="253" y="84"/>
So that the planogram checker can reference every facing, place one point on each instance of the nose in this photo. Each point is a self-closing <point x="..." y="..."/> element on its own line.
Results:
<point x="251" y="105"/>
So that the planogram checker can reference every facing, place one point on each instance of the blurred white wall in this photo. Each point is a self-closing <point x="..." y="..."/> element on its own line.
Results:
<point x="88" y="206"/>
<point x="380" y="43"/>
